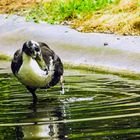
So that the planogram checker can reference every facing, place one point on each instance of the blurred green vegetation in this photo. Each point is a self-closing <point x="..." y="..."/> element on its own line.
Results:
<point x="57" y="11"/>
<point x="104" y="16"/>
<point x="4" y="57"/>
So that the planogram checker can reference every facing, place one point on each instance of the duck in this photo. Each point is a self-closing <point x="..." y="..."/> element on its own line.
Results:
<point x="37" y="66"/>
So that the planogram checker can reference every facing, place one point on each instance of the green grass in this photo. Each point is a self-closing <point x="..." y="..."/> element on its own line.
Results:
<point x="103" y="16"/>
<point x="4" y="57"/>
<point x="57" y="11"/>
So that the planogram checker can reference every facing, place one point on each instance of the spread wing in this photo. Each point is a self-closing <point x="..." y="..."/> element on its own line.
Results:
<point x="16" y="62"/>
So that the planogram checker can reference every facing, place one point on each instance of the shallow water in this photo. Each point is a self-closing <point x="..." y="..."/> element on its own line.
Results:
<point x="94" y="107"/>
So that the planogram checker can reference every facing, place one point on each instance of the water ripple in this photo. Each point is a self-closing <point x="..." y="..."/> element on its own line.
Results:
<point x="95" y="106"/>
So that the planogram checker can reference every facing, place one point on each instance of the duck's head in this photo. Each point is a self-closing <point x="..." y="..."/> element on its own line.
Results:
<point x="32" y="49"/>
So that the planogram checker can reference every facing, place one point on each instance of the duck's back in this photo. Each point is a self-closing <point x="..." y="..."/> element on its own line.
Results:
<point x="47" y="53"/>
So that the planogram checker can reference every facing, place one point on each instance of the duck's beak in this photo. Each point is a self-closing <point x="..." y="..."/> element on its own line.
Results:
<point x="40" y="61"/>
<point x="38" y="56"/>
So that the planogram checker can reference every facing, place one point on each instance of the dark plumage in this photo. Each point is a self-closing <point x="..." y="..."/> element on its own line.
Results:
<point x="37" y="66"/>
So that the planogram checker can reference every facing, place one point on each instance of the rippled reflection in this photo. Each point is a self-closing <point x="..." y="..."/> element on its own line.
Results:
<point x="95" y="106"/>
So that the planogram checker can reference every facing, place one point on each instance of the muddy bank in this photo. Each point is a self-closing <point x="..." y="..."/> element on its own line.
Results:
<point x="119" y="53"/>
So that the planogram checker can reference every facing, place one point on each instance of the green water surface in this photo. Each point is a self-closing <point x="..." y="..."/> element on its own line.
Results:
<point x="94" y="107"/>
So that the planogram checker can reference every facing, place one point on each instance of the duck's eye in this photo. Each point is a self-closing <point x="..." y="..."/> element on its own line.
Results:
<point x="37" y="49"/>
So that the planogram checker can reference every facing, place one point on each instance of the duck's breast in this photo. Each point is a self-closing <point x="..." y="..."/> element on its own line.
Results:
<point x="30" y="74"/>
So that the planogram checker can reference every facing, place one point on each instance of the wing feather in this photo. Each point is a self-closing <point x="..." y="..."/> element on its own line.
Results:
<point x="16" y="62"/>
<point x="58" y="66"/>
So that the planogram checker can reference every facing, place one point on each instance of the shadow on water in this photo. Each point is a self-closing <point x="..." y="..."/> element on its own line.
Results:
<point x="94" y="106"/>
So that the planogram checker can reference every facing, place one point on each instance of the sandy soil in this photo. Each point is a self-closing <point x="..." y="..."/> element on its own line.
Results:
<point x="10" y="6"/>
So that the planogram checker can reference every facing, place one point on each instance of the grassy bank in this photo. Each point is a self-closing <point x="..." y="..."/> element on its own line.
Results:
<point x="108" y="16"/>
<point x="4" y="57"/>
<point x="57" y="11"/>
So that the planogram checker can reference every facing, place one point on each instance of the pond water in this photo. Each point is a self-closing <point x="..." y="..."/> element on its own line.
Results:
<point x="94" y="107"/>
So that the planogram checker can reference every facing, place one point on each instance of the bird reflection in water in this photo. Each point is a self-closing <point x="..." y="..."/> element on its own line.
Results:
<point x="44" y="115"/>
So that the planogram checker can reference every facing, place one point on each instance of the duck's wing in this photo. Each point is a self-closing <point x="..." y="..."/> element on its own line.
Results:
<point x="49" y="54"/>
<point x="16" y="62"/>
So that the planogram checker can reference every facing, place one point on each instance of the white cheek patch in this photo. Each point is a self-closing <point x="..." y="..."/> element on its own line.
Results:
<point x="34" y="42"/>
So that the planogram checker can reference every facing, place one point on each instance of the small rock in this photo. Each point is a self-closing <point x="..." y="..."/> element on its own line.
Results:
<point x="105" y="44"/>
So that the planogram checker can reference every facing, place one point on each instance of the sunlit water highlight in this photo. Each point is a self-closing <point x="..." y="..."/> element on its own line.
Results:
<point x="94" y="107"/>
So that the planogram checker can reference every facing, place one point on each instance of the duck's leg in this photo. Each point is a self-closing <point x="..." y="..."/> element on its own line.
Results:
<point x="32" y="91"/>
<point x="62" y="84"/>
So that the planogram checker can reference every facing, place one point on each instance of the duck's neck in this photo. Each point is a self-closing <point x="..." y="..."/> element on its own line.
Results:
<point x="41" y="63"/>
<point x="26" y="58"/>
<point x="31" y="65"/>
